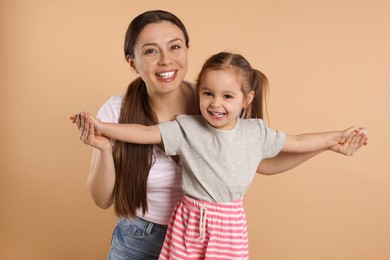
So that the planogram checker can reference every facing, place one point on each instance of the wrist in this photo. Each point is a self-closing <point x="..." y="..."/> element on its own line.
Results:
<point x="106" y="147"/>
<point x="99" y="127"/>
<point x="341" y="137"/>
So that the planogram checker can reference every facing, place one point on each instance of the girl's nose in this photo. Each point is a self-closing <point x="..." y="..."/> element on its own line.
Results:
<point x="216" y="102"/>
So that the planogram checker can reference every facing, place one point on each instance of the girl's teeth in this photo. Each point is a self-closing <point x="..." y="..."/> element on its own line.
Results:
<point x="166" y="75"/>
<point x="218" y="114"/>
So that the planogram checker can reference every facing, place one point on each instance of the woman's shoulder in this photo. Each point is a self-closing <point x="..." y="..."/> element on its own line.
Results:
<point x="191" y="84"/>
<point x="110" y="110"/>
<point x="115" y="100"/>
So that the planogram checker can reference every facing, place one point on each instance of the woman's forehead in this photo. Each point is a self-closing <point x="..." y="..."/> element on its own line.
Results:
<point x="161" y="32"/>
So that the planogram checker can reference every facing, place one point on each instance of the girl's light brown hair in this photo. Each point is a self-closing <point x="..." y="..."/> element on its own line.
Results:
<point x="252" y="79"/>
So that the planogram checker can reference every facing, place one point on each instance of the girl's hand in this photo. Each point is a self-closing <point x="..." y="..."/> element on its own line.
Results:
<point x="86" y="125"/>
<point x="354" y="140"/>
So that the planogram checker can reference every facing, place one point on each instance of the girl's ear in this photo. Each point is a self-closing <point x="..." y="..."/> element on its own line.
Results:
<point x="249" y="98"/>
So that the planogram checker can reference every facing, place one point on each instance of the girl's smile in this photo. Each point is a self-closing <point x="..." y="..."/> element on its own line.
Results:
<point x="221" y="99"/>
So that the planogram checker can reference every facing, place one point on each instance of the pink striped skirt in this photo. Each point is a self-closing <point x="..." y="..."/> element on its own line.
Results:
<point x="206" y="230"/>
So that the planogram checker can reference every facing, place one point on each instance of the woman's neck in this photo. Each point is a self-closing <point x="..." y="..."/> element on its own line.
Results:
<point x="169" y="105"/>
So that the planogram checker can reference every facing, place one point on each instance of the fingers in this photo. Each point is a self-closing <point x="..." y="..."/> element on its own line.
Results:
<point x="91" y="128"/>
<point x="73" y="118"/>
<point x="361" y="137"/>
<point x="364" y="138"/>
<point x="78" y="119"/>
<point x="84" y="130"/>
<point x="348" y="132"/>
<point x="349" y="146"/>
<point x="355" y="141"/>
<point x="81" y="124"/>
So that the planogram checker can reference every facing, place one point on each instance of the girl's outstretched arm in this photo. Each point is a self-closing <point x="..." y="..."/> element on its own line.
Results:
<point x="312" y="142"/>
<point x="287" y="161"/>
<point x="131" y="133"/>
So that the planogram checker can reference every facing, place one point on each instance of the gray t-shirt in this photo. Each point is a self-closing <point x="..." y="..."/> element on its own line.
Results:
<point x="219" y="165"/>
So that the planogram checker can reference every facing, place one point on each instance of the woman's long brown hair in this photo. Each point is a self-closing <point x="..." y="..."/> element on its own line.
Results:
<point x="133" y="161"/>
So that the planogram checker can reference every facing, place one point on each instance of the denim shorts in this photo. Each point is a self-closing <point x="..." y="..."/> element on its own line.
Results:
<point x="136" y="239"/>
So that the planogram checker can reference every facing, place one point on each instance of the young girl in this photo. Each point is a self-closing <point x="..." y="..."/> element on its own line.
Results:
<point x="220" y="153"/>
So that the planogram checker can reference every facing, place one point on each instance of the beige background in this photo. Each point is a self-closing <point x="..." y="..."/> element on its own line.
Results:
<point x="328" y="63"/>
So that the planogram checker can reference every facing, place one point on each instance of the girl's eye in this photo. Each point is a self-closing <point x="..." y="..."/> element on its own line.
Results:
<point x="228" y="96"/>
<point x="207" y="93"/>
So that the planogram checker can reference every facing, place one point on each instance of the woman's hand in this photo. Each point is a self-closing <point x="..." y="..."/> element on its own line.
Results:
<point x="86" y="125"/>
<point x="355" y="140"/>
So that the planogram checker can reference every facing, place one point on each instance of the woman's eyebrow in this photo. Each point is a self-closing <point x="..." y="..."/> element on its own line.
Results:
<point x="148" y="44"/>
<point x="176" y="39"/>
<point x="155" y="44"/>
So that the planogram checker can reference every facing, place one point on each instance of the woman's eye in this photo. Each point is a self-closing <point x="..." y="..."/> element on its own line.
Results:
<point x="150" y="51"/>
<point x="176" y="46"/>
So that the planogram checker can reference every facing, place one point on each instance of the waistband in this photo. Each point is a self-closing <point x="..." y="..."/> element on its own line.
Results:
<point x="205" y="208"/>
<point x="145" y="224"/>
<point x="212" y="205"/>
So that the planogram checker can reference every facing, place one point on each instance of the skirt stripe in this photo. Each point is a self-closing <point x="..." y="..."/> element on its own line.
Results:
<point x="206" y="230"/>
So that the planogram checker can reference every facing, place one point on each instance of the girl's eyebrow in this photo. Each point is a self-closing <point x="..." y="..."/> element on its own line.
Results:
<point x="204" y="88"/>
<point x="229" y="93"/>
<point x="155" y="44"/>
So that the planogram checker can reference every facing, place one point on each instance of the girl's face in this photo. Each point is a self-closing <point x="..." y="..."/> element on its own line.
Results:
<point x="221" y="99"/>
<point x="160" y="57"/>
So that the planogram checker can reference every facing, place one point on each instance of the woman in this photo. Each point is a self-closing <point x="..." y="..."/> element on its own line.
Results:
<point x="141" y="182"/>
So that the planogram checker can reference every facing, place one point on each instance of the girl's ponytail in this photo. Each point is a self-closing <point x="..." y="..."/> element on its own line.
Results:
<point x="258" y="84"/>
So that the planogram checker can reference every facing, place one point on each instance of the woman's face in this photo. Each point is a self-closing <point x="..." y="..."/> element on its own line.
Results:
<point x="160" y="57"/>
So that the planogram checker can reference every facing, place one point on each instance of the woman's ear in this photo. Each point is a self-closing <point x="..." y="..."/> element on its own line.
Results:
<point x="132" y="63"/>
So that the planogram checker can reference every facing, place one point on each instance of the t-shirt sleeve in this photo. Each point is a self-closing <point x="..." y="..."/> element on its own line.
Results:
<point x="171" y="135"/>
<point x="110" y="110"/>
<point x="273" y="140"/>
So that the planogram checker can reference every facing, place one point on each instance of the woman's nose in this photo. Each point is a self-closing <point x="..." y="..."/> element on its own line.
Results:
<point x="165" y="58"/>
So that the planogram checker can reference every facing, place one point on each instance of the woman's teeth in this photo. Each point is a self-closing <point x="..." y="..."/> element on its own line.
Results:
<point x="166" y="75"/>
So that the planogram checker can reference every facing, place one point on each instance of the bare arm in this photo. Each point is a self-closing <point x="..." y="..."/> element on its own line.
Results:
<point x="101" y="178"/>
<point x="286" y="161"/>
<point x="131" y="133"/>
<point x="312" y="142"/>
